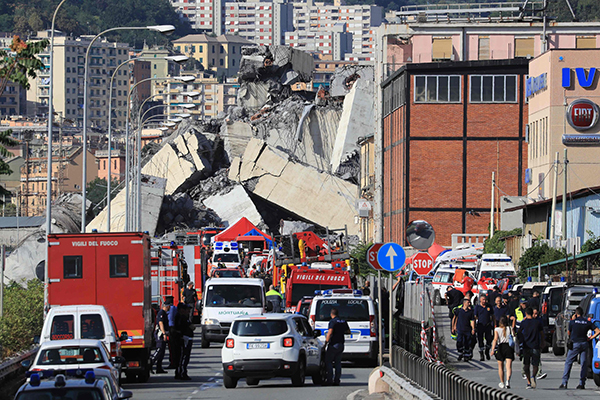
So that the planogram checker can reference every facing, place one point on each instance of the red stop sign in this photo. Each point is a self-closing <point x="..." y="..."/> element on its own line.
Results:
<point x="372" y="256"/>
<point x="422" y="263"/>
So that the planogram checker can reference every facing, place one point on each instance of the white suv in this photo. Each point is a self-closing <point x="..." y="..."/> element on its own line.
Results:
<point x="273" y="345"/>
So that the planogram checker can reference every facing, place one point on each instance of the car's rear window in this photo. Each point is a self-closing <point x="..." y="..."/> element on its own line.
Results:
<point x="349" y="309"/>
<point x="61" y="394"/>
<point x="92" y="326"/>
<point x="228" y="273"/>
<point x="259" y="328"/>
<point x="62" y="328"/>
<point x="70" y="355"/>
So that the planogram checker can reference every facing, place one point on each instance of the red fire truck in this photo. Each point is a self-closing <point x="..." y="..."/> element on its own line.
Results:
<point x="112" y="270"/>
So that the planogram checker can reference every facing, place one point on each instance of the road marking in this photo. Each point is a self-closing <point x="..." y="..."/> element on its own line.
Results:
<point x="195" y="391"/>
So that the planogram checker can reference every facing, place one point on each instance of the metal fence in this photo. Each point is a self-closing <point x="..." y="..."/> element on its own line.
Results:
<point x="442" y="382"/>
<point x="407" y="335"/>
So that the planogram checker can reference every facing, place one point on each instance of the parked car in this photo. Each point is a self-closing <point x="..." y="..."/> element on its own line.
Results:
<point x="551" y="302"/>
<point x="592" y="310"/>
<point x="272" y="345"/>
<point x="442" y="280"/>
<point x="571" y="299"/>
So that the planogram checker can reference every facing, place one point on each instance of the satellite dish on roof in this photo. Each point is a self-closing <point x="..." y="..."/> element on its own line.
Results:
<point x="420" y="234"/>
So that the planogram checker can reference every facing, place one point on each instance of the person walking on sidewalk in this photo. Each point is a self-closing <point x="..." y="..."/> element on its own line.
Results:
<point x="484" y="327"/>
<point x="464" y="327"/>
<point x="531" y="335"/>
<point x="335" y="339"/>
<point x="578" y="329"/>
<point x="505" y="353"/>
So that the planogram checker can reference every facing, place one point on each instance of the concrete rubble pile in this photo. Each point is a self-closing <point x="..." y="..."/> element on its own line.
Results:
<point x="27" y="260"/>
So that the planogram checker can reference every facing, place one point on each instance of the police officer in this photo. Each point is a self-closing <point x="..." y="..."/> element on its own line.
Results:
<point x="172" y="312"/>
<point x="335" y="347"/>
<point x="176" y="339"/>
<point x="185" y="326"/>
<point x="464" y="326"/>
<point x="578" y="329"/>
<point x="485" y="327"/>
<point x="161" y="333"/>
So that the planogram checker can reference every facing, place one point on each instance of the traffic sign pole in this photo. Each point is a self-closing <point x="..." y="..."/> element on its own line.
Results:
<point x="379" y="328"/>
<point x="390" y="321"/>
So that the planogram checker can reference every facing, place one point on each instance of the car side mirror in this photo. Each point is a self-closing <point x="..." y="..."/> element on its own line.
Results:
<point x="317" y="333"/>
<point x="125" y="394"/>
<point x="118" y="360"/>
<point x="269" y="306"/>
<point x="124" y="336"/>
<point x="36" y="339"/>
<point x="26" y="364"/>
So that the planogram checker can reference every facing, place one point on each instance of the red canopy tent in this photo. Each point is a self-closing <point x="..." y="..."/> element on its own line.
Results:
<point x="241" y="227"/>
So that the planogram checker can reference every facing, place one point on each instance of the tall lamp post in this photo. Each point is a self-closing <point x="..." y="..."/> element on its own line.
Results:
<point x="186" y="79"/>
<point x="177" y="59"/>
<point x="166" y="29"/>
<point x="49" y="163"/>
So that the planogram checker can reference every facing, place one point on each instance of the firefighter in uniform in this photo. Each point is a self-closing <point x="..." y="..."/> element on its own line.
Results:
<point x="485" y="327"/>
<point x="464" y="328"/>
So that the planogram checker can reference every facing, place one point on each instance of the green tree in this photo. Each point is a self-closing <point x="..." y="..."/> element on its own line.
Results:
<point x="496" y="244"/>
<point x="358" y="256"/>
<point x="539" y="253"/>
<point x="593" y="243"/>
<point x="96" y="192"/>
<point x="23" y="316"/>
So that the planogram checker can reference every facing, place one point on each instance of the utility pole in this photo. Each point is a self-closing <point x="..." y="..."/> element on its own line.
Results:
<point x="553" y="212"/>
<point x="493" y="204"/>
<point x="564" y="200"/>
<point x="3" y="249"/>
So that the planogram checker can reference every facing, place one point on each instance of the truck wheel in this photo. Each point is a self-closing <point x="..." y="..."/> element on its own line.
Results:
<point x="437" y="299"/>
<point x="229" y="382"/>
<point x="597" y="379"/>
<point x="204" y="343"/>
<point x="556" y="349"/>
<point x="252" y="381"/>
<point x="300" y="376"/>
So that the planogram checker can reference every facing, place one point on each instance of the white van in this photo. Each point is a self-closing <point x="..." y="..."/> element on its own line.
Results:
<point x="225" y="299"/>
<point x="495" y="266"/>
<point x="358" y="311"/>
<point x="82" y="322"/>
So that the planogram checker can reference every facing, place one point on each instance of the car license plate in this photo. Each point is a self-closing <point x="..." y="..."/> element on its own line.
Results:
<point x="257" y="346"/>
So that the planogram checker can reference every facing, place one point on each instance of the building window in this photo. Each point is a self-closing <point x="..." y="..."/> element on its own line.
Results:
<point x="586" y="42"/>
<point x="72" y="267"/>
<point x="437" y="89"/>
<point x="493" y="88"/>
<point x="221" y="50"/>
<point x="484" y="48"/>
<point x="442" y="49"/>
<point x="213" y="49"/>
<point x="104" y="163"/>
<point x="233" y="63"/>
<point x="119" y="266"/>
<point x="524" y="47"/>
<point x="232" y="49"/>
<point x="221" y="62"/>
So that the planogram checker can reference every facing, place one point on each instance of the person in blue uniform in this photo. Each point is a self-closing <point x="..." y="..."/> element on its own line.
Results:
<point x="335" y="339"/>
<point x="464" y="328"/>
<point x="484" y="327"/>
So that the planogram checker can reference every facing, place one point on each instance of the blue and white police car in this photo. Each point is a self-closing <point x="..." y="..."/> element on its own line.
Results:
<point x="359" y="311"/>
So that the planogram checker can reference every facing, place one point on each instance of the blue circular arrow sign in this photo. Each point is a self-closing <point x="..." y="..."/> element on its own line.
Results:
<point x="391" y="257"/>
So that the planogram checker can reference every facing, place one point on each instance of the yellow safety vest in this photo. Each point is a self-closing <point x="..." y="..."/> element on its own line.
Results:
<point x="519" y="314"/>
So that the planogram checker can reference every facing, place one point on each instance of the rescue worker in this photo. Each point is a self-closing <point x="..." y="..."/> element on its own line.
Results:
<point x="172" y="313"/>
<point x="467" y="283"/>
<point x="335" y="347"/>
<point x="484" y="327"/>
<point x="464" y="327"/>
<point x="578" y="329"/>
<point x="366" y="289"/>
<point x="500" y="310"/>
<point x="531" y="335"/>
<point x="184" y="325"/>
<point x="161" y="333"/>
<point x="454" y="299"/>
<point x="189" y="296"/>
<point x="534" y="302"/>
<point x="275" y="298"/>
<point x="493" y="294"/>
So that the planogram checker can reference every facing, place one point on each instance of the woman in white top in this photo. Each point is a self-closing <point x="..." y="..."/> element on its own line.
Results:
<point x="504" y="352"/>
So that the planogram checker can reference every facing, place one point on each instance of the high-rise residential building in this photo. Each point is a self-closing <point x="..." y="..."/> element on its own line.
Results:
<point x="13" y="100"/>
<point x="159" y="67"/>
<point x="336" y="43"/>
<point x="69" y="61"/>
<point x="321" y="18"/>
<point x="201" y="14"/>
<point x="262" y="22"/>
<point x="221" y="54"/>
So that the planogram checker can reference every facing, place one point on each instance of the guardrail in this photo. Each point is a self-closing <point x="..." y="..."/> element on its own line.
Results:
<point x="442" y="382"/>
<point x="14" y="364"/>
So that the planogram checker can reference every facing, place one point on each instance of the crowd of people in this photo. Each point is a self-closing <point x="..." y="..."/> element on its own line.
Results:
<point x="510" y="326"/>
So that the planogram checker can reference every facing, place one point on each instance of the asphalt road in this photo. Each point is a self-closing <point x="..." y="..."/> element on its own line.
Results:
<point x="206" y="372"/>
<point x="487" y="372"/>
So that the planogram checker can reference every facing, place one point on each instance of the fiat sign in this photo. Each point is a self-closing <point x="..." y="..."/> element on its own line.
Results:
<point x="582" y="114"/>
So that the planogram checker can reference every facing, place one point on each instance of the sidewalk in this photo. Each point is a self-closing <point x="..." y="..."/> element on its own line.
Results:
<point x="487" y="372"/>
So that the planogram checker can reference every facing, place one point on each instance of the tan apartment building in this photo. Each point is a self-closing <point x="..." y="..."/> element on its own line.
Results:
<point x="117" y="159"/>
<point x="221" y="54"/>
<point x="66" y="177"/>
<point x="564" y="98"/>
<point x="69" y="57"/>
<point x="159" y="67"/>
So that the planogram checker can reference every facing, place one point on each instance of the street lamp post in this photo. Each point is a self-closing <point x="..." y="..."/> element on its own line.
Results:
<point x="157" y="28"/>
<point x="139" y="145"/>
<point x="49" y="164"/>
<point x="177" y="59"/>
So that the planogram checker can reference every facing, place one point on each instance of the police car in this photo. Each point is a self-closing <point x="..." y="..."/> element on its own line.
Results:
<point x="272" y="345"/>
<point x="68" y="384"/>
<point x="358" y="310"/>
